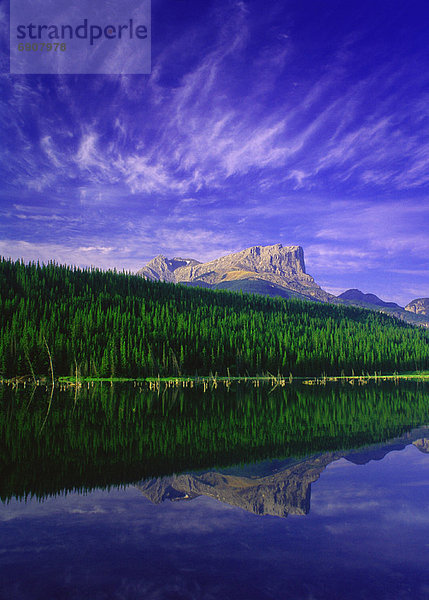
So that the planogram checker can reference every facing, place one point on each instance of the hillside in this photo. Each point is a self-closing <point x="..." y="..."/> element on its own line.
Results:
<point x="112" y="324"/>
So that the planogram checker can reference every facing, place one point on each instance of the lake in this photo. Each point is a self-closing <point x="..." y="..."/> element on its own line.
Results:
<point x="224" y="491"/>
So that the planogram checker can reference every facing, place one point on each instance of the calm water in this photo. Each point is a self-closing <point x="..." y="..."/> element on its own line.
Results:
<point x="295" y="493"/>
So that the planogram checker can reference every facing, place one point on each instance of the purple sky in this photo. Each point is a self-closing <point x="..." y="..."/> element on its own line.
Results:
<point x="301" y="122"/>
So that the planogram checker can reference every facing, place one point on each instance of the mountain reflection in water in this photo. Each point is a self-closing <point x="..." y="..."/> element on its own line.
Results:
<point x="279" y="488"/>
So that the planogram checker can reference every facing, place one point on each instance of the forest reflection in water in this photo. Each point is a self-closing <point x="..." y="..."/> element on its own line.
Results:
<point x="114" y="435"/>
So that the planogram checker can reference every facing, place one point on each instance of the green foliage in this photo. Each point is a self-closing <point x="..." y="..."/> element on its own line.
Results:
<point x="111" y="435"/>
<point x="116" y="324"/>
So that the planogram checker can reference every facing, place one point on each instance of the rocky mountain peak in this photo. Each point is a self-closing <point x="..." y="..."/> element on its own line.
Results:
<point x="277" y="259"/>
<point x="163" y="268"/>
<point x="420" y="306"/>
<point x="272" y="270"/>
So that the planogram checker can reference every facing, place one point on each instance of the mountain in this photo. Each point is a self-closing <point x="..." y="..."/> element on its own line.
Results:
<point x="269" y="270"/>
<point x="358" y="297"/>
<point x="276" y="488"/>
<point x="419" y="306"/>
<point x="355" y="297"/>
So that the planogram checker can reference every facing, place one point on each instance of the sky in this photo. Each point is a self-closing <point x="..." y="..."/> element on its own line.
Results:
<point x="304" y="122"/>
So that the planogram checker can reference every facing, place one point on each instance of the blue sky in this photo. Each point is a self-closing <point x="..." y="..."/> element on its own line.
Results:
<point x="301" y="122"/>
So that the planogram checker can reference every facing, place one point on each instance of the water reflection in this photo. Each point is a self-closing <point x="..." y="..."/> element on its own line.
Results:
<point x="365" y="538"/>
<point x="120" y="434"/>
<point x="276" y="488"/>
<point x="360" y="455"/>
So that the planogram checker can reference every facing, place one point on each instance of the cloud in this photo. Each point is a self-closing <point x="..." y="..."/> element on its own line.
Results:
<point x="125" y="253"/>
<point x="231" y="111"/>
<point x="390" y="225"/>
<point x="339" y="258"/>
<point x="63" y="254"/>
<point x="102" y="249"/>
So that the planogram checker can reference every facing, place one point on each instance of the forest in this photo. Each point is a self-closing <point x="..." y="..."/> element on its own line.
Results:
<point x="110" y="324"/>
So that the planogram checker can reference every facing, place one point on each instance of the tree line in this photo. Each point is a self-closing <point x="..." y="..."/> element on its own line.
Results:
<point x="110" y="324"/>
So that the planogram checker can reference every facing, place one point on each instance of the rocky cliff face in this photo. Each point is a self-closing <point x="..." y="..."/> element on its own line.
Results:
<point x="163" y="268"/>
<point x="420" y="306"/>
<point x="278" y="267"/>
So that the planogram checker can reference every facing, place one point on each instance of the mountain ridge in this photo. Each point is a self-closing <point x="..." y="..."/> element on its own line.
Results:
<point x="354" y="297"/>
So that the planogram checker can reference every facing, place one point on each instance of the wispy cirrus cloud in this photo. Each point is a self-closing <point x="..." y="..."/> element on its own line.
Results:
<point x="208" y="127"/>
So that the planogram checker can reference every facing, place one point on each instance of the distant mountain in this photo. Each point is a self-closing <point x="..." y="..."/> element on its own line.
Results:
<point x="276" y="488"/>
<point x="356" y="296"/>
<point x="269" y="270"/>
<point x="371" y="301"/>
<point x="419" y="306"/>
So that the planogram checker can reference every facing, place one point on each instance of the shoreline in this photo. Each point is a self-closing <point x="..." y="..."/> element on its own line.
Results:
<point x="214" y="380"/>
